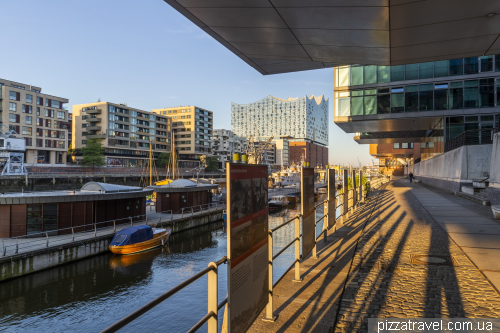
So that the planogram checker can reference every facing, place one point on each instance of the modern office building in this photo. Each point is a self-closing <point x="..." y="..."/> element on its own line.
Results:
<point x="225" y="144"/>
<point x="393" y="158"/>
<point x="431" y="102"/>
<point x="282" y="150"/>
<point x="126" y="133"/>
<point x="193" y="128"/>
<point x="39" y="118"/>
<point x="303" y="118"/>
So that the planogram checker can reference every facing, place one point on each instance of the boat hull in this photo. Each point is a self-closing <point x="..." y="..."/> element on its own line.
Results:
<point x="157" y="241"/>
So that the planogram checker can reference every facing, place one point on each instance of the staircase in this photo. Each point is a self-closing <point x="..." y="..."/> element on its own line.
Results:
<point x="476" y="192"/>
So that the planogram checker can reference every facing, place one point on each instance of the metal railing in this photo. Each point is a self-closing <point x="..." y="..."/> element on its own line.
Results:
<point x="212" y="270"/>
<point x="471" y="137"/>
<point x="45" y="239"/>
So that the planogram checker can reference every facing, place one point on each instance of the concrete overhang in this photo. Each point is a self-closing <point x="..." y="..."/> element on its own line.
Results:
<point x="280" y="36"/>
<point x="392" y="155"/>
<point x="365" y="140"/>
<point x="386" y="123"/>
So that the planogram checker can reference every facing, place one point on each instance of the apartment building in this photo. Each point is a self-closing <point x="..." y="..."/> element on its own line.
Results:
<point x="225" y="144"/>
<point x="193" y="129"/>
<point x="39" y="118"/>
<point x="126" y="133"/>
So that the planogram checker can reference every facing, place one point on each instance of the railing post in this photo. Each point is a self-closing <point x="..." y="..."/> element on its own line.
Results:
<point x="360" y="197"/>
<point x="4" y="249"/>
<point x="95" y="229"/>
<point x="146" y="219"/>
<point x="159" y="217"/>
<point x="269" y="307"/>
<point x="171" y="216"/>
<point x="47" y="235"/>
<point x="325" y="220"/>
<point x="17" y="245"/>
<point x="213" y="301"/>
<point x="297" y="251"/>
<point x="182" y="212"/>
<point x="73" y="234"/>
<point x="314" y="251"/>
<point x="131" y="223"/>
<point x="114" y="226"/>
<point x="192" y="211"/>
<point x="216" y="205"/>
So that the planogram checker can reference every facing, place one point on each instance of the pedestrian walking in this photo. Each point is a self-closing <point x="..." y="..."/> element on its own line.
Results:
<point x="411" y="177"/>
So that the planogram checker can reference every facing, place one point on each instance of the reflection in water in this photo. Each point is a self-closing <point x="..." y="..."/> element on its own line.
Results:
<point x="91" y="294"/>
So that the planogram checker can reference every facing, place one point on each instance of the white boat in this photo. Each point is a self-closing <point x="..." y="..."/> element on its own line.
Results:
<point x="286" y="177"/>
<point x="278" y="201"/>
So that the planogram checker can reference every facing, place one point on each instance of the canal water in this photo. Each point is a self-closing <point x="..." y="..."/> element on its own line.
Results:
<point x="91" y="294"/>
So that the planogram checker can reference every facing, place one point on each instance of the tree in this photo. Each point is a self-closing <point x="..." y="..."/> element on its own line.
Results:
<point x="211" y="162"/>
<point x="164" y="159"/>
<point x="93" y="154"/>
<point x="71" y="152"/>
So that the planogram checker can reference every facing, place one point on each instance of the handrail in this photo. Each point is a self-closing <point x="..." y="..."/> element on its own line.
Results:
<point x="145" y="308"/>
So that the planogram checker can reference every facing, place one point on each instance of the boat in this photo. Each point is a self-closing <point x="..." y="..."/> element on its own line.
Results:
<point x="138" y="238"/>
<point x="278" y="201"/>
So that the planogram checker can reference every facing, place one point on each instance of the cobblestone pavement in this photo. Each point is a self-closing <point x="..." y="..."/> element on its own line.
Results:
<point x="384" y="283"/>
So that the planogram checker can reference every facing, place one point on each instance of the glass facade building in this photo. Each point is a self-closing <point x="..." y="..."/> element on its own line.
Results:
<point x="458" y="95"/>
<point x="300" y="118"/>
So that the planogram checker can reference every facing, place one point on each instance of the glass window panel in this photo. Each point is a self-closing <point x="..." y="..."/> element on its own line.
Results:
<point x="488" y="118"/>
<point x="370" y="92"/>
<point x="441" y="99"/>
<point x="441" y="68"/>
<point x="471" y="94"/>
<point x="487" y="93"/>
<point x="384" y="103"/>
<point x="370" y="104"/>
<point x="440" y="85"/>
<point x="383" y="90"/>
<point x="455" y="130"/>
<point x="343" y="76"/>
<point x="456" y="67"/>
<point x="397" y="103"/>
<point x="383" y="74"/>
<point x="411" y="88"/>
<point x="456" y="120"/>
<point x="425" y="100"/>
<point x="498" y="92"/>
<point x="357" y="75"/>
<point x="411" y="101"/>
<point x="370" y="74"/>
<point x="497" y="62"/>
<point x="487" y="63"/>
<point x="456" y="98"/>
<point x="424" y="87"/>
<point x="34" y="219"/>
<point x="471" y="65"/>
<point x="344" y="107"/>
<point x="357" y="106"/>
<point x="404" y="145"/>
<point x="395" y="145"/>
<point x="469" y="119"/>
<point x="426" y="70"/>
<point x="397" y="73"/>
<point x="459" y="84"/>
<point x="49" y="217"/>
<point x="357" y="93"/>
<point x="396" y="90"/>
<point x="411" y="72"/>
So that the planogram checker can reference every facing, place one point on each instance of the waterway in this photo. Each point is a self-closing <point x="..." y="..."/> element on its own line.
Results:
<point x="91" y="294"/>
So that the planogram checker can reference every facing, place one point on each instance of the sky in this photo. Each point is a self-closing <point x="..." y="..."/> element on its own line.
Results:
<point x="144" y="53"/>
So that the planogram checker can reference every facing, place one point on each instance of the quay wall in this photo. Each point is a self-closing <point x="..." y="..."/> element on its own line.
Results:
<point x="30" y="262"/>
<point x="455" y="168"/>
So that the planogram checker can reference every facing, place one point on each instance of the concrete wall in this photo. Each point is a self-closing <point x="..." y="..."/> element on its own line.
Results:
<point x="455" y="168"/>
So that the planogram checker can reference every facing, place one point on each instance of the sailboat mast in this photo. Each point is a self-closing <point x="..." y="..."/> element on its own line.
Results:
<point x="150" y="164"/>
<point x="173" y="155"/>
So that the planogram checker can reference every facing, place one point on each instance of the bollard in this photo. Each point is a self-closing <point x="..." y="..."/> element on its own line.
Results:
<point x="114" y="226"/>
<point x="73" y="234"/>
<point x="213" y="301"/>
<point x="47" y="235"/>
<point x="269" y="307"/>
<point x="297" y="251"/>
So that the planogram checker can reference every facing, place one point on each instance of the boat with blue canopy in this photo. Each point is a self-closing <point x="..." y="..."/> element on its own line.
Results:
<point x="138" y="238"/>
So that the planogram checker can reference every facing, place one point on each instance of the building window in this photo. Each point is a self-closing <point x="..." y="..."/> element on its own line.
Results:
<point x="487" y="93"/>
<point x="15" y="96"/>
<point x="357" y="75"/>
<point x="60" y="114"/>
<point x="29" y="98"/>
<point x="41" y="217"/>
<point x="397" y="102"/>
<point x="396" y="145"/>
<point x="425" y="97"/>
<point x="369" y="74"/>
<point x="13" y="118"/>
<point x="26" y="130"/>
<point x="456" y="67"/>
<point x="426" y="70"/>
<point x="49" y="113"/>
<point x="441" y="68"/>
<point x="471" y="65"/>
<point x="29" y="142"/>
<point x="383" y="103"/>
<point x="398" y="73"/>
<point x="27" y="108"/>
<point x="39" y="101"/>
<point x="12" y="107"/>
<point x="37" y="111"/>
<point x="411" y="72"/>
<point x="471" y="94"/>
<point x="441" y="97"/>
<point x="487" y="63"/>
<point x="29" y="120"/>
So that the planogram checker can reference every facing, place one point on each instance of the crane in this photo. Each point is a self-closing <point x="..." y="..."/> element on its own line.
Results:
<point x="12" y="149"/>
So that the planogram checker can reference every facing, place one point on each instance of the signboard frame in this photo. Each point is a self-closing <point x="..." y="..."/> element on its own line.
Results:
<point x="307" y="211"/>
<point x="247" y="244"/>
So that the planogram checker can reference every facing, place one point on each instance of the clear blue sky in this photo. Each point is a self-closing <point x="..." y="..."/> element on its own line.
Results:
<point x="145" y="54"/>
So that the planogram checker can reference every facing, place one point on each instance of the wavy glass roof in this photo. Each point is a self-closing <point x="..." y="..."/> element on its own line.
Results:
<point x="279" y="36"/>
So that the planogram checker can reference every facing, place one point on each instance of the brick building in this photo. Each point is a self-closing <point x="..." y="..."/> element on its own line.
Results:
<point x="315" y="154"/>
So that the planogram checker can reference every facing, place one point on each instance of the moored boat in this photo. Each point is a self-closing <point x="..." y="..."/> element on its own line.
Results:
<point x="138" y="238"/>
<point x="278" y="201"/>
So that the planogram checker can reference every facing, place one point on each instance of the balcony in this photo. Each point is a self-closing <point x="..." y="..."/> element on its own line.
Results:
<point x="96" y="136"/>
<point x="93" y="120"/>
<point x="93" y="111"/>
<point x="93" y="128"/>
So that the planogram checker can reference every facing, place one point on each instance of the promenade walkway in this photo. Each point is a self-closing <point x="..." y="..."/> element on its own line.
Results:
<point x="408" y="252"/>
